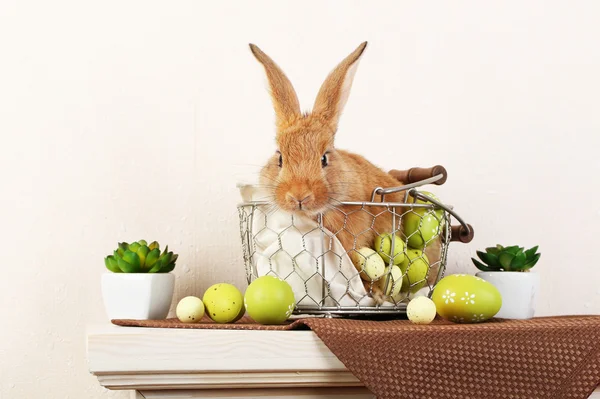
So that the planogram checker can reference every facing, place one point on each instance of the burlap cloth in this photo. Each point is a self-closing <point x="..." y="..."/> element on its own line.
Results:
<point x="554" y="357"/>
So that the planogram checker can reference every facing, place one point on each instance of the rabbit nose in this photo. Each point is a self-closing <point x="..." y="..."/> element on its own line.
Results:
<point x="305" y="198"/>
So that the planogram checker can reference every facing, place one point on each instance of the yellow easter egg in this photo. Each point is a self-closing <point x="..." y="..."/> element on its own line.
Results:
<point x="224" y="303"/>
<point x="463" y="298"/>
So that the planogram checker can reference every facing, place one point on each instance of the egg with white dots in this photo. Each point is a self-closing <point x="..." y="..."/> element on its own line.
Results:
<point x="421" y="310"/>
<point x="190" y="309"/>
<point x="463" y="298"/>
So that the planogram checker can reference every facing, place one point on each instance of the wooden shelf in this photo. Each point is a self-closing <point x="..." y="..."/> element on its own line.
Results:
<point x="179" y="363"/>
<point x="148" y="359"/>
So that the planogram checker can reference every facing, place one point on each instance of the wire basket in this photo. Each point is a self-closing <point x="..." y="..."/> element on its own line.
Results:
<point x="331" y="279"/>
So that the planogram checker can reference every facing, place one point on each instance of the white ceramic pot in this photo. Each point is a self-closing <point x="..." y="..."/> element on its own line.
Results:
<point x="141" y="296"/>
<point x="518" y="290"/>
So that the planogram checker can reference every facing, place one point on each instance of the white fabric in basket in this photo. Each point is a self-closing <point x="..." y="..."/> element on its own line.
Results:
<point x="296" y="249"/>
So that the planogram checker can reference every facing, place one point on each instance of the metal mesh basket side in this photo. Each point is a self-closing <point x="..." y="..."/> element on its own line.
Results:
<point x="327" y="303"/>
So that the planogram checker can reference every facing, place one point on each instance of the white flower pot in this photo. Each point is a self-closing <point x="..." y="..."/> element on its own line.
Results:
<point x="518" y="290"/>
<point x="140" y="296"/>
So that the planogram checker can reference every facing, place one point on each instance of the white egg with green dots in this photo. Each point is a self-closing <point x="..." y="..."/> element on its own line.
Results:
<point x="190" y="309"/>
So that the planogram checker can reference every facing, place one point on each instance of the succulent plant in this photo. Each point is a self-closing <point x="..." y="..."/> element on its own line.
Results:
<point x="508" y="259"/>
<point x="139" y="257"/>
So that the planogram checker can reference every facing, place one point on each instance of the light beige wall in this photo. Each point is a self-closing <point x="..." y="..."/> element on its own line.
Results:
<point x="123" y="120"/>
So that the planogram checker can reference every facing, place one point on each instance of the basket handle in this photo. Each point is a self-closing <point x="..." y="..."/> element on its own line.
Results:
<point x="414" y="175"/>
<point x="462" y="233"/>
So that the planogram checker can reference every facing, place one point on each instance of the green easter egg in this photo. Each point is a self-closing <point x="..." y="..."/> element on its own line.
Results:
<point x="269" y="300"/>
<point x="463" y="298"/>
<point x="415" y="268"/>
<point x="224" y="303"/>
<point x="421" y="226"/>
<point x="383" y="246"/>
<point x="438" y="212"/>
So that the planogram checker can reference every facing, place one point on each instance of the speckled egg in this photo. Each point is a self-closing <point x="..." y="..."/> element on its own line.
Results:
<point x="224" y="303"/>
<point x="421" y="310"/>
<point x="190" y="309"/>
<point x="269" y="300"/>
<point x="463" y="298"/>
<point x="371" y="264"/>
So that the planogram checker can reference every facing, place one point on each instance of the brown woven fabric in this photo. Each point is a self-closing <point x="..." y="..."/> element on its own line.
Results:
<point x="245" y="323"/>
<point x="553" y="358"/>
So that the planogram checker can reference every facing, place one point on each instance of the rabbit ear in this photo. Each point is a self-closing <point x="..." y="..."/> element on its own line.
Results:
<point x="335" y="90"/>
<point x="285" y="100"/>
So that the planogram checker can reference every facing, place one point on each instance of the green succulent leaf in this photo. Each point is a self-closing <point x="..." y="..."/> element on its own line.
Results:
<point x="123" y="246"/>
<point x="157" y="267"/>
<point x="505" y="260"/>
<point x="489" y="258"/>
<point x="513" y="250"/>
<point x="143" y="242"/>
<point x="164" y="262"/>
<point x="143" y="253"/>
<point x="166" y="258"/>
<point x="481" y="266"/>
<point x="132" y="259"/>
<point x="111" y="264"/>
<point x="520" y="268"/>
<point x="531" y="252"/>
<point x="168" y="268"/>
<point x="518" y="261"/>
<point x="154" y="245"/>
<point x="134" y="247"/>
<point x="152" y="258"/>
<point x="127" y="267"/>
<point x="493" y="250"/>
<point x="532" y="262"/>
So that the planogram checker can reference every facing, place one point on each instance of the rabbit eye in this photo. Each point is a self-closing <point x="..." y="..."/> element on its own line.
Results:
<point x="280" y="160"/>
<point x="324" y="160"/>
